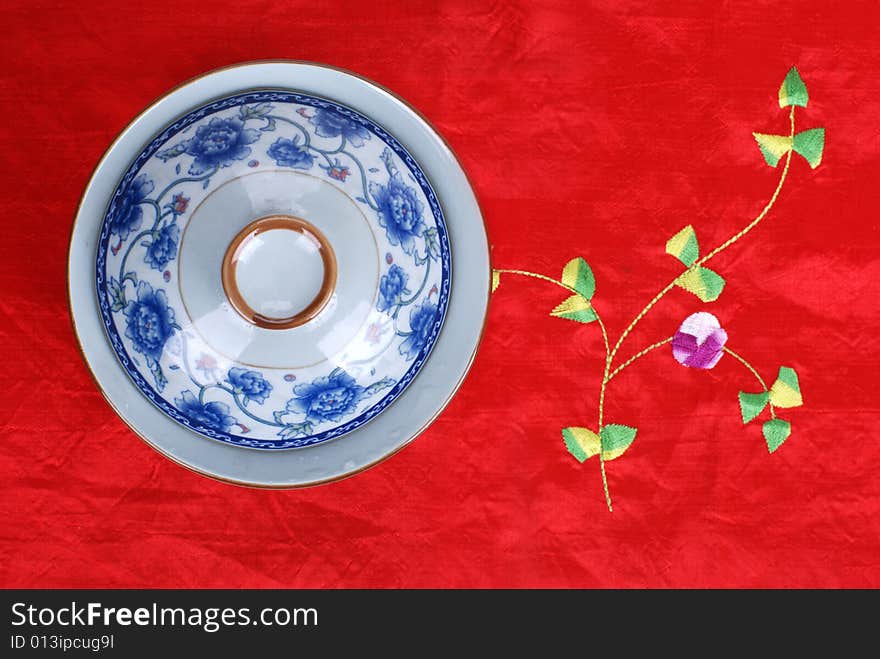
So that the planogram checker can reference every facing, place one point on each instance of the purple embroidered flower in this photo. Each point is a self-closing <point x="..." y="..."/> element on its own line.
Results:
<point x="699" y="342"/>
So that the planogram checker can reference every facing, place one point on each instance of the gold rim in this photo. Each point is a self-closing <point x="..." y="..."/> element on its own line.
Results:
<point x="233" y="254"/>
<point x="231" y="481"/>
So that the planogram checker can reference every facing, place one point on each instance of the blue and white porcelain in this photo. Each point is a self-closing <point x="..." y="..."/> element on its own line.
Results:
<point x="178" y="330"/>
<point x="267" y="256"/>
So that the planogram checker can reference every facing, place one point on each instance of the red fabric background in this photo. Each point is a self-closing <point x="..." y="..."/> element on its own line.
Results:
<point x="592" y="129"/>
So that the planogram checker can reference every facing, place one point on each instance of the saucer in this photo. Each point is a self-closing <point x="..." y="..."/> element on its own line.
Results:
<point x="264" y="260"/>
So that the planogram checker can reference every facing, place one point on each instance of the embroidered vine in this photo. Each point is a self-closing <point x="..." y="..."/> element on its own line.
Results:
<point x="700" y="341"/>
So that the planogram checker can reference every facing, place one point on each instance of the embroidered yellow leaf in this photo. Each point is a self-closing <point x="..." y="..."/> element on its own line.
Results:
<point x="773" y="147"/>
<point x="786" y="391"/>
<point x="496" y="280"/>
<point x="616" y="438"/>
<point x="581" y="443"/>
<point x="575" y="308"/>
<point x="684" y="246"/>
<point x="706" y="284"/>
<point x="578" y="275"/>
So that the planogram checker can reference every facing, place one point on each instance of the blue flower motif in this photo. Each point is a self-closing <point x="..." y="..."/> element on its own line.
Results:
<point x="149" y="322"/>
<point x="129" y="215"/>
<point x="392" y="286"/>
<point x="290" y="153"/>
<point x="214" y="415"/>
<point x="218" y="143"/>
<point x="250" y="384"/>
<point x="329" y="123"/>
<point x="163" y="248"/>
<point x="421" y="322"/>
<point x="327" y="399"/>
<point x="400" y="212"/>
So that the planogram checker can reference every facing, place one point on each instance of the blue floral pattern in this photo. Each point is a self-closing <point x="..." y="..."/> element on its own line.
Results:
<point x="216" y="144"/>
<point x="149" y="322"/>
<point x="251" y="385"/>
<point x="163" y="248"/>
<point x="140" y="295"/>
<point x="392" y="286"/>
<point x="400" y="212"/>
<point x="328" y="398"/>
<point x="421" y="321"/>
<point x="290" y="153"/>
<point x="329" y="123"/>
<point x="129" y="215"/>
<point x="213" y="415"/>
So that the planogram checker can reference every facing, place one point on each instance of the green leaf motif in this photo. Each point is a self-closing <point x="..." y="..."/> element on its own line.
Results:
<point x="575" y="308"/>
<point x="684" y="246"/>
<point x="810" y="144"/>
<point x="582" y="443"/>
<point x="116" y="291"/>
<point x="773" y="147"/>
<point x="578" y="275"/>
<point x="706" y="284"/>
<point x="786" y="391"/>
<point x="793" y="91"/>
<point x="751" y="405"/>
<point x="613" y="441"/>
<point x="616" y="439"/>
<point x="776" y="431"/>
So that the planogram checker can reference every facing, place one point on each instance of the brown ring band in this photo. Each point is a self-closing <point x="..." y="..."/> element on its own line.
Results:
<point x="255" y="228"/>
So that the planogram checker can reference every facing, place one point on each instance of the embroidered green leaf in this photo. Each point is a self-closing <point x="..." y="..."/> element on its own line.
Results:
<point x="751" y="405"/>
<point x="684" y="246"/>
<point x="786" y="391"/>
<point x="496" y="280"/>
<point x="706" y="284"/>
<point x="775" y="432"/>
<point x="577" y="275"/>
<point x="575" y="308"/>
<point x="613" y="440"/>
<point x="616" y="439"/>
<point x="581" y="442"/>
<point x="793" y="91"/>
<point x="773" y="147"/>
<point x="810" y="144"/>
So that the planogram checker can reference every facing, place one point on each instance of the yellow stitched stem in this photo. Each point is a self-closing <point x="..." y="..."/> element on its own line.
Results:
<point x="638" y="355"/>
<point x="601" y="406"/>
<point x="727" y="243"/>
<point x="526" y="273"/>
<point x="753" y="371"/>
